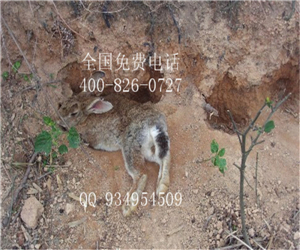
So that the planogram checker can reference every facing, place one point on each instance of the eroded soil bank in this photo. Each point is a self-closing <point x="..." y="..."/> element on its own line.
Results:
<point x="231" y="55"/>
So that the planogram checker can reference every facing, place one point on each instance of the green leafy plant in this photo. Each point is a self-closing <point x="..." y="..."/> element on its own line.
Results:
<point x="5" y="75"/>
<point x="48" y="141"/>
<point x="15" y="68"/>
<point x="216" y="158"/>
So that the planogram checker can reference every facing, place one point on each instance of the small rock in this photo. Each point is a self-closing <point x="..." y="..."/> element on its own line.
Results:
<point x="221" y="243"/>
<point x="186" y="174"/>
<point x="68" y="163"/>
<point x="219" y="225"/>
<point x="195" y="191"/>
<point x="69" y="208"/>
<point x="251" y="232"/>
<point x="31" y="212"/>
<point x="296" y="235"/>
<point x="211" y="211"/>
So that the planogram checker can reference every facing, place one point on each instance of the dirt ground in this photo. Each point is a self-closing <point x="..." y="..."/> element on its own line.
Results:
<point x="232" y="55"/>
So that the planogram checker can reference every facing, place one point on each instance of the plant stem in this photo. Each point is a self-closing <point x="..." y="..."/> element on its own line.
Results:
<point x="242" y="178"/>
<point x="256" y="166"/>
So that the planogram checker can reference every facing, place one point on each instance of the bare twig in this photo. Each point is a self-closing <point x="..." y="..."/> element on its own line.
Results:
<point x="6" y="171"/>
<point x="153" y="9"/>
<point x="207" y="221"/>
<point x="248" y="183"/>
<point x="287" y="18"/>
<point x="44" y="175"/>
<point x="9" y="191"/>
<point x="106" y="12"/>
<point x="24" y="178"/>
<point x="238" y="133"/>
<point x="269" y="246"/>
<point x="30" y="7"/>
<point x="238" y="167"/>
<point x="5" y="49"/>
<point x="175" y="23"/>
<point x="260" y="246"/>
<point x="242" y="242"/>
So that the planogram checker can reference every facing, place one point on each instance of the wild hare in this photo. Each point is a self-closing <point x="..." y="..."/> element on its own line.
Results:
<point x="116" y="123"/>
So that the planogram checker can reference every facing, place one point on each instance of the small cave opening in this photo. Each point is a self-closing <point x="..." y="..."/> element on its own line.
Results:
<point x="245" y="102"/>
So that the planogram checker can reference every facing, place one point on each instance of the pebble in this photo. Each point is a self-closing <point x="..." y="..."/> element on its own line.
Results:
<point x="186" y="174"/>
<point x="211" y="211"/>
<point x="251" y="232"/>
<point x="297" y="235"/>
<point x="219" y="225"/>
<point x="195" y="191"/>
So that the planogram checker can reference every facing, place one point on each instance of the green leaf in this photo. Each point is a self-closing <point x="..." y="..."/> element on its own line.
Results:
<point x="55" y="132"/>
<point x="73" y="138"/>
<point x="214" y="146"/>
<point x="48" y="121"/>
<point x="16" y="66"/>
<point x="216" y="161"/>
<point x="54" y="155"/>
<point x="5" y="75"/>
<point x="222" y="165"/>
<point x="43" y="142"/>
<point x="269" y="126"/>
<point x="26" y="78"/>
<point x="221" y="152"/>
<point x="52" y="85"/>
<point x="63" y="149"/>
<point x="269" y="102"/>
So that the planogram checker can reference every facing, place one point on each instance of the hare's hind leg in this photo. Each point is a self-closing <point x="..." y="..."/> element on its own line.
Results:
<point x="163" y="180"/>
<point x="131" y="158"/>
<point x="162" y="157"/>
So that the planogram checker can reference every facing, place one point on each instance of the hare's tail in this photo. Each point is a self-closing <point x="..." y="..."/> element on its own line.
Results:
<point x="162" y="153"/>
<point x="161" y="141"/>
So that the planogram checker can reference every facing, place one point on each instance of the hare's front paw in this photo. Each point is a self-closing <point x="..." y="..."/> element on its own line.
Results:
<point x="128" y="208"/>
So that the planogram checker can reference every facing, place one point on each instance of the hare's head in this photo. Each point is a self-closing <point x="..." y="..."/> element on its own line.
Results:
<point x="77" y="108"/>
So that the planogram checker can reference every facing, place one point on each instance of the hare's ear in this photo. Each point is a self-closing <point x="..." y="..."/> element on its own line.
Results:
<point x="99" y="106"/>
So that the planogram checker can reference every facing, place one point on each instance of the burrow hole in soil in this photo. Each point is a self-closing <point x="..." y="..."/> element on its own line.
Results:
<point x="245" y="102"/>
